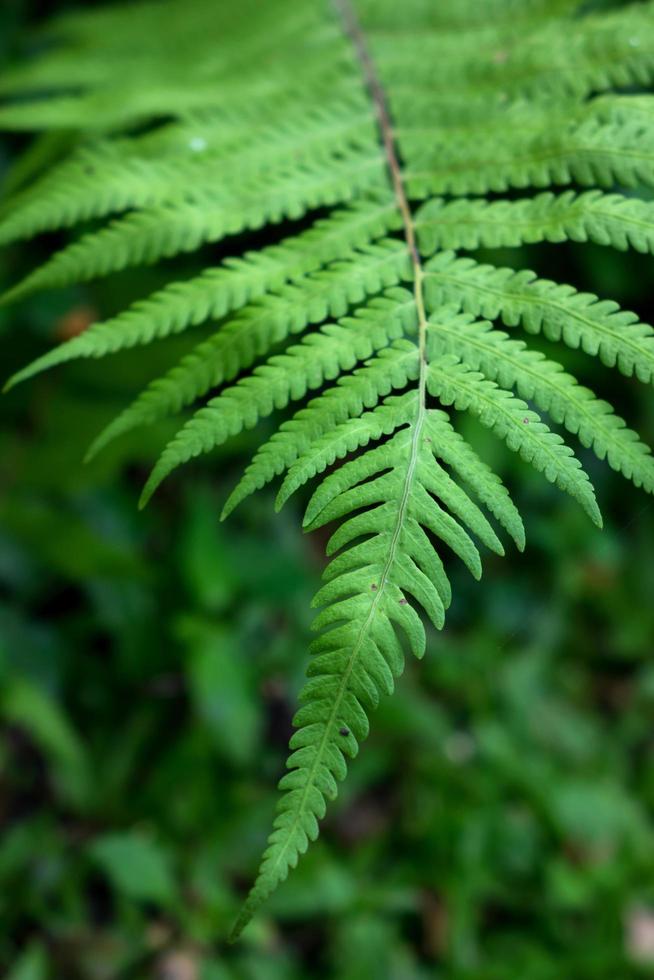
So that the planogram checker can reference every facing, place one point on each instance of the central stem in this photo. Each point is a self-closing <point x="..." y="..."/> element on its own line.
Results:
<point x="375" y="88"/>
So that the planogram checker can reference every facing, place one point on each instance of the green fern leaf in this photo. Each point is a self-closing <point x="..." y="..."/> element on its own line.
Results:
<point x="537" y="379"/>
<point x="599" y="327"/>
<point x="164" y="230"/>
<point x="218" y="291"/>
<point x="131" y="181"/>
<point x="354" y="664"/>
<point x="331" y="238"/>
<point x="285" y="377"/>
<point x="512" y="420"/>
<point x="257" y="329"/>
<point x="392" y="368"/>
<point x="382" y="129"/>
<point x="606" y="219"/>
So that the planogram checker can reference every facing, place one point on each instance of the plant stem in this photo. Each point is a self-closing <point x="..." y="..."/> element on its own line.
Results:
<point x="352" y="27"/>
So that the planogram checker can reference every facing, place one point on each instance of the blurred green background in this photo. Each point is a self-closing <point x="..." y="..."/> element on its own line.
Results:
<point x="497" y="825"/>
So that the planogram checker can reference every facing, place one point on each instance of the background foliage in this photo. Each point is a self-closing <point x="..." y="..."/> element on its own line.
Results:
<point x="498" y="823"/>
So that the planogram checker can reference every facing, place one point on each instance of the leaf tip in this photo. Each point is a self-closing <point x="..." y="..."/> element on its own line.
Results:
<point x="154" y="481"/>
<point x="92" y="451"/>
<point x="144" y="499"/>
<point x="595" y="513"/>
<point x="241" y="923"/>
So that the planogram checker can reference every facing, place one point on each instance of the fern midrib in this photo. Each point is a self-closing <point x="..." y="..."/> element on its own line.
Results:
<point x="354" y="31"/>
<point x="627" y="218"/>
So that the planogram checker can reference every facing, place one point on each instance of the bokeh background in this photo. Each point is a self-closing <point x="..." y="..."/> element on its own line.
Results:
<point x="497" y="825"/>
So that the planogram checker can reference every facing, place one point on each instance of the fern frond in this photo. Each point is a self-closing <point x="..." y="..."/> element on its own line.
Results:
<point x="106" y="180"/>
<point x="512" y="420"/>
<point x="515" y="123"/>
<point x="384" y="128"/>
<point x="392" y="368"/>
<point x="330" y="238"/>
<point x="453" y="450"/>
<point x="606" y="219"/>
<point x="589" y="154"/>
<point x="222" y="290"/>
<point x="512" y="365"/>
<point x="594" y="53"/>
<point x="345" y="439"/>
<point x="119" y="85"/>
<point x="285" y="377"/>
<point x="256" y="330"/>
<point x="145" y="236"/>
<point x="599" y="327"/>
<point x="467" y="15"/>
<point x="359" y="655"/>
